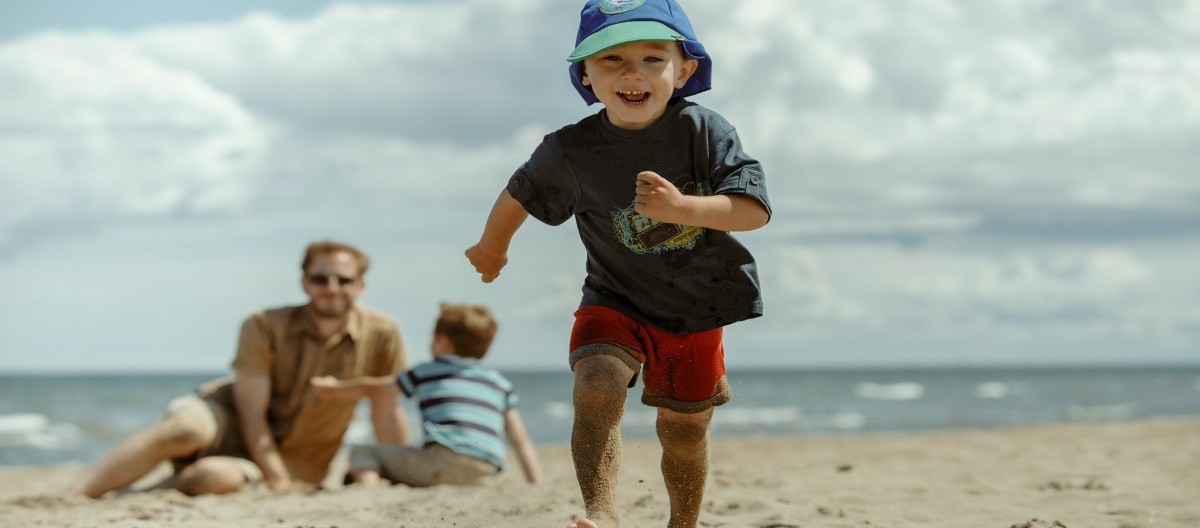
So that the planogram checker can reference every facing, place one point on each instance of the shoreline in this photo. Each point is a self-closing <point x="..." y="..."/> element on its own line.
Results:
<point x="1135" y="474"/>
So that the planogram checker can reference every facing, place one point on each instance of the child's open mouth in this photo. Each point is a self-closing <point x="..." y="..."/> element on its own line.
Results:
<point x="633" y="96"/>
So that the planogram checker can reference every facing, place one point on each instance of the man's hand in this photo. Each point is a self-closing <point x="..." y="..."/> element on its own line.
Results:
<point x="252" y="393"/>
<point x="659" y="199"/>
<point x="279" y="483"/>
<point x="487" y="263"/>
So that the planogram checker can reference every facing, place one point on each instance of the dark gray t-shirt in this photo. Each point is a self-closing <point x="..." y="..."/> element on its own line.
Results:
<point x="681" y="279"/>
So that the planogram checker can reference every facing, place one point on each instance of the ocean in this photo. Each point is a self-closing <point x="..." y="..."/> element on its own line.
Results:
<point x="52" y="419"/>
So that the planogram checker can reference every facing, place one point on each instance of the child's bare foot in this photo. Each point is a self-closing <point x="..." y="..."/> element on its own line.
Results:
<point x="583" y="523"/>
<point x="363" y="477"/>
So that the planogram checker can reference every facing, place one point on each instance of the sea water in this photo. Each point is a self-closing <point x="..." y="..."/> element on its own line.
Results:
<point x="51" y="419"/>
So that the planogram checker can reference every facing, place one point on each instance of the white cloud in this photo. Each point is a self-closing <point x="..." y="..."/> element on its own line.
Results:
<point x="937" y="167"/>
<point x="96" y="133"/>
<point x="805" y="291"/>
<point x="924" y="92"/>
<point x="460" y="71"/>
<point x="844" y="303"/>
<point x="909" y="105"/>
<point x="1039" y="285"/>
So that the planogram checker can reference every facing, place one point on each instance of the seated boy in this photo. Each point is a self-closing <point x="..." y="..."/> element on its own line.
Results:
<point x="466" y="410"/>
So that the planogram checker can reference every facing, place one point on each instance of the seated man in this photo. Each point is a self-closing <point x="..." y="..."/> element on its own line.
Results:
<point x="262" y="423"/>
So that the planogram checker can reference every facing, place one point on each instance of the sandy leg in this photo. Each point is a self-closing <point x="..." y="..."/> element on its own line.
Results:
<point x="684" y="439"/>
<point x="599" y="395"/>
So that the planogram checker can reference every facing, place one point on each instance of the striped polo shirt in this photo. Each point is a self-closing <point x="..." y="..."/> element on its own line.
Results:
<point x="462" y="405"/>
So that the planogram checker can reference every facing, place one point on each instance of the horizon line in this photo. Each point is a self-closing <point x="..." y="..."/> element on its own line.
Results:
<point x="734" y="368"/>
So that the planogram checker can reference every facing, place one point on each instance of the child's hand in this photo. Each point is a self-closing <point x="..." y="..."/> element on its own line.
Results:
<point x="488" y="264"/>
<point x="659" y="199"/>
<point x="325" y="387"/>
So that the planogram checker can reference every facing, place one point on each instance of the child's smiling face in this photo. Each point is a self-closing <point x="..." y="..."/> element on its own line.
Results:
<point x="635" y="80"/>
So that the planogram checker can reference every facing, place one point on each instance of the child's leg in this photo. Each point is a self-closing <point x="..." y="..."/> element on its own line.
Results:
<point x="601" y="382"/>
<point x="364" y="465"/>
<point x="684" y="376"/>
<point x="366" y="477"/>
<point x="420" y="467"/>
<point x="684" y="439"/>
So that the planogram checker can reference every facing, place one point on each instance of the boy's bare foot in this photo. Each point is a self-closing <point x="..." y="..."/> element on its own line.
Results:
<point x="583" y="523"/>
<point x="363" y="477"/>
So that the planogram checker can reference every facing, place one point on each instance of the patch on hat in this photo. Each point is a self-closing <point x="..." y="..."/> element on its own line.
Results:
<point x="612" y="7"/>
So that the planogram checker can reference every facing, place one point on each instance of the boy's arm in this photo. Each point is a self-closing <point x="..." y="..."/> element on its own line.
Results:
<point x="660" y="200"/>
<point x="521" y="444"/>
<point x="490" y="254"/>
<point x="387" y="417"/>
<point x="331" y="388"/>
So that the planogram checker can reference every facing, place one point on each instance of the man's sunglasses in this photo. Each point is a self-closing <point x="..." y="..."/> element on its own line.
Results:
<point x="320" y="279"/>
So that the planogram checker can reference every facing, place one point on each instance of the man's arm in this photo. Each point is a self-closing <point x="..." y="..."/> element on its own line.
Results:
<point x="659" y="199"/>
<point x="523" y="446"/>
<point x="490" y="254"/>
<point x="252" y="394"/>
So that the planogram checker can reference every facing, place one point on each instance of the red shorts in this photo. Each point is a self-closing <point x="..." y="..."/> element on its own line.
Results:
<point x="683" y="373"/>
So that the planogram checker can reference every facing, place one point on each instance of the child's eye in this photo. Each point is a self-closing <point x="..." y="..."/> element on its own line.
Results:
<point x="654" y="59"/>
<point x="610" y="58"/>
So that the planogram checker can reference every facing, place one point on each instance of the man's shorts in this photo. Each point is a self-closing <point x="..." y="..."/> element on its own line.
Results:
<point x="681" y="372"/>
<point x="227" y="437"/>
<point x="420" y="466"/>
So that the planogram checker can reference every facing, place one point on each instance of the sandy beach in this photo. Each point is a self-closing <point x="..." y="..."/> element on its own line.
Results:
<point x="1097" y="475"/>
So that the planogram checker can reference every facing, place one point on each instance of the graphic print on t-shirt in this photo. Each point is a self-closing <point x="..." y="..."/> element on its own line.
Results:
<point x="643" y="235"/>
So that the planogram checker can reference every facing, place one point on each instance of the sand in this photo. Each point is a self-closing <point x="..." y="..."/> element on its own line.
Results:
<point x="1097" y="475"/>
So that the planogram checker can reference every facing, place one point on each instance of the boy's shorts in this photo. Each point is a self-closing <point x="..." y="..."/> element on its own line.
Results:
<point x="420" y="466"/>
<point x="227" y="437"/>
<point x="681" y="372"/>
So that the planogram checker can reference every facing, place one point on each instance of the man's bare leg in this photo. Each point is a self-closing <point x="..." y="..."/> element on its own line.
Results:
<point x="601" y="383"/>
<point x="214" y="474"/>
<point x="684" y="439"/>
<point x="176" y="436"/>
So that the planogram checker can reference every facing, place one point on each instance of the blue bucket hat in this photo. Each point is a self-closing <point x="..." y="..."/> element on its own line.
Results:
<point x="607" y="23"/>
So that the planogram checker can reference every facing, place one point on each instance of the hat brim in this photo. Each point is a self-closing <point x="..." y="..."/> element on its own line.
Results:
<point x="623" y="33"/>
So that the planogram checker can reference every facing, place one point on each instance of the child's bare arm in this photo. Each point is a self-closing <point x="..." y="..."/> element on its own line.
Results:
<point x="659" y="199"/>
<point x="387" y="417"/>
<point x="523" y="446"/>
<point x="331" y="388"/>
<point x="490" y="254"/>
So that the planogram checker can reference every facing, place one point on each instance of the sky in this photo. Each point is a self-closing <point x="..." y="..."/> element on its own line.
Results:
<point x="954" y="183"/>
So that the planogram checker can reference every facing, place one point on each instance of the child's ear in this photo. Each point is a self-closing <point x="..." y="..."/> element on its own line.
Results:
<point x="584" y="80"/>
<point x="442" y="343"/>
<point x="688" y="68"/>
